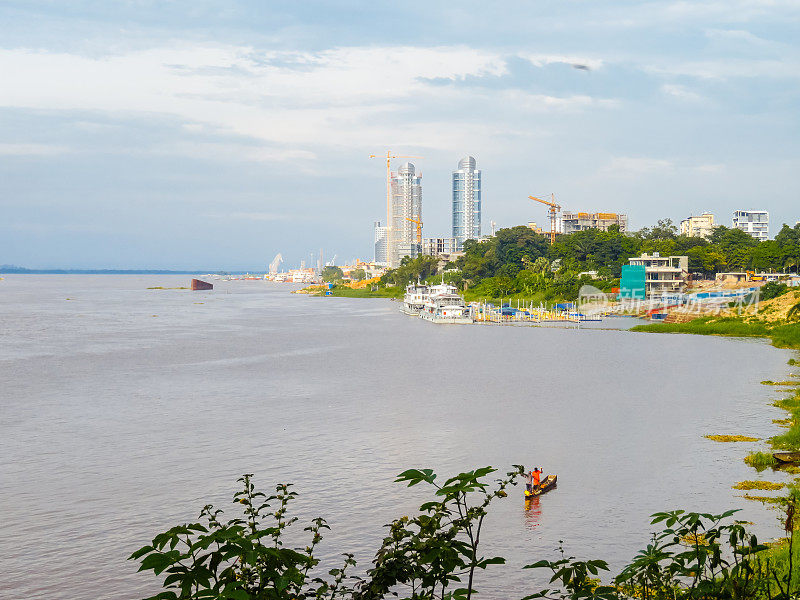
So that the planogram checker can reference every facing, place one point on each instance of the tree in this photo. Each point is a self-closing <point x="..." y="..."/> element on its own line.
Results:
<point x="358" y="274"/>
<point x="664" y="230"/>
<point x="331" y="274"/>
<point x="410" y="270"/>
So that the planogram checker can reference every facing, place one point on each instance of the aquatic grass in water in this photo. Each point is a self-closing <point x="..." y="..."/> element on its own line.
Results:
<point x="765" y="499"/>
<point x="731" y="438"/>
<point x="760" y="460"/>
<point x="758" y="485"/>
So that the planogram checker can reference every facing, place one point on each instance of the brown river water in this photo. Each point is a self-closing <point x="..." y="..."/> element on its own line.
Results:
<point x="124" y="410"/>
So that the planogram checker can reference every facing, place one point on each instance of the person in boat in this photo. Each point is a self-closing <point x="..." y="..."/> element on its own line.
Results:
<point x="533" y="479"/>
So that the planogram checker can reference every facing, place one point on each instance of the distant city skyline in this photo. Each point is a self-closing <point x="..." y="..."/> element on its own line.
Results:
<point x="186" y="136"/>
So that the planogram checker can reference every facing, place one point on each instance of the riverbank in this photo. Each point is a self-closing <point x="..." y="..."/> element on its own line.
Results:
<point x="777" y="319"/>
<point x="344" y="291"/>
<point x="785" y="335"/>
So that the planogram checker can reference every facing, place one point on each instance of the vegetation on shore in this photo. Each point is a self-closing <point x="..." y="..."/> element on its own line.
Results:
<point x="780" y="325"/>
<point x="435" y="554"/>
<point x="344" y="291"/>
<point x="517" y="263"/>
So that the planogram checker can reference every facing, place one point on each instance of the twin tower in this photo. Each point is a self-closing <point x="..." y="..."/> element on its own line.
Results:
<point x="404" y="236"/>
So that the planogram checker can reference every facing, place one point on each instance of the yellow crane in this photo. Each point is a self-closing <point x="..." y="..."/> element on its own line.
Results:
<point x="419" y="229"/>
<point x="389" y="157"/>
<point x="552" y="211"/>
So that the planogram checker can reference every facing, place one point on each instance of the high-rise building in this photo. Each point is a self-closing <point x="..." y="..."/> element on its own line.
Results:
<point x="753" y="222"/>
<point x="702" y="226"/>
<point x="381" y="243"/>
<point x="466" y="201"/>
<point x="580" y="221"/>
<point x="406" y="208"/>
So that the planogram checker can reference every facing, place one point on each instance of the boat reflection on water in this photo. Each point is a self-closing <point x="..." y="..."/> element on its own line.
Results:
<point x="533" y="512"/>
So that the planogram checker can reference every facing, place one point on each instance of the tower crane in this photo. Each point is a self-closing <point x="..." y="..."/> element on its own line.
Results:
<point x="552" y="211"/>
<point x="419" y="229"/>
<point x="389" y="157"/>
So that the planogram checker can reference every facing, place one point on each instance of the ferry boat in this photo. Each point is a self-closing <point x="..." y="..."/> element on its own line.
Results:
<point x="444" y="305"/>
<point x="414" y="300"/>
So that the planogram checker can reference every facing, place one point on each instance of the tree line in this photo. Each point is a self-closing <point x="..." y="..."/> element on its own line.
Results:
<point x="518" y="261"/>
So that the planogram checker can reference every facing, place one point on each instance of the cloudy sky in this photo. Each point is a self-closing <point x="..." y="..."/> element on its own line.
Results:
<point x="200" y="134"/>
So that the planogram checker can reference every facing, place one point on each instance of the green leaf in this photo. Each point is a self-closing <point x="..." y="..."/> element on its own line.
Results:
<point x="539" y="564"/>
<point x="141" y="552"/>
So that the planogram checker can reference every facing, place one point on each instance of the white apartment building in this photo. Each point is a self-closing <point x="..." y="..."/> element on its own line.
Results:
<point x="381" y="244"/>
<point x="702" y="226"/>
<point x="663" y="274"/>
<point x="753" y="222"/>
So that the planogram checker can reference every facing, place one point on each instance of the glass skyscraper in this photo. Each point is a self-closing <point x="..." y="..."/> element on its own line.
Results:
<point x="466" y="201"/>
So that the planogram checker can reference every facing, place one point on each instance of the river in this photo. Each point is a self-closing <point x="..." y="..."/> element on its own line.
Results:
<point x="125" y="409"/>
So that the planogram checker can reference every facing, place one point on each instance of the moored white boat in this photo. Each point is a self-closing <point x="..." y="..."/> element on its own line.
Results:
<point x="414" y="300"/>
<point x="444" y="305"/>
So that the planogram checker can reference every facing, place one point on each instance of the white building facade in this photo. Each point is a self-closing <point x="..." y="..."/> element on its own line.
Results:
<point x="381" y="244"/>
<point x="753" y="222"/>
<point x="702" y="226"/>
<point x="466" y="201"/>
<point x="663" y="274"/>
<point x="406" y="208"/>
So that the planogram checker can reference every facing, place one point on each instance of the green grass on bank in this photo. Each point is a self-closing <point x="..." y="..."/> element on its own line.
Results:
<point x="343" y="291"/>
<point x="782" y="336"/>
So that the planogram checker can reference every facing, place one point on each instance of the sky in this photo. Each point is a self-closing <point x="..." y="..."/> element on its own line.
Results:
<point x="192" y="134"/>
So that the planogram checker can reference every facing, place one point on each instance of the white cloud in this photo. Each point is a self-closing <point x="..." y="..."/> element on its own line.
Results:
<point x="31" y="149"/>
<point x="682" y="93"/>
<point x="540" y="60"/>
<point x="293" y="101"/>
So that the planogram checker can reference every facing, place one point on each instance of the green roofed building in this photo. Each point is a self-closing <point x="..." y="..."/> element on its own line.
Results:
<point x="632" y="283"/>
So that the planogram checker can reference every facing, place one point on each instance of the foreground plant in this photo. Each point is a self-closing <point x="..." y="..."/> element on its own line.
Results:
<point x="243" y="558"/>
<point x="435" y="554"/>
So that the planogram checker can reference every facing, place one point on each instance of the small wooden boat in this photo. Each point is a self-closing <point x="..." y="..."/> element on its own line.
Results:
<point x="787" y="457"/>
<point x="545" y="486"/>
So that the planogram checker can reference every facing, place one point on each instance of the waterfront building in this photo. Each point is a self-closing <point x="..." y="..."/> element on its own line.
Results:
<point x="466" y="201"/>
<point x="580" y="221"/>
<point x="753" y="222"/>
<point x="381" y="244"/>
<point x="632" y="284"/>
<point x="702" y="226"/>
<point x="663" y="274"/>
<point x="406" y="187"/>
